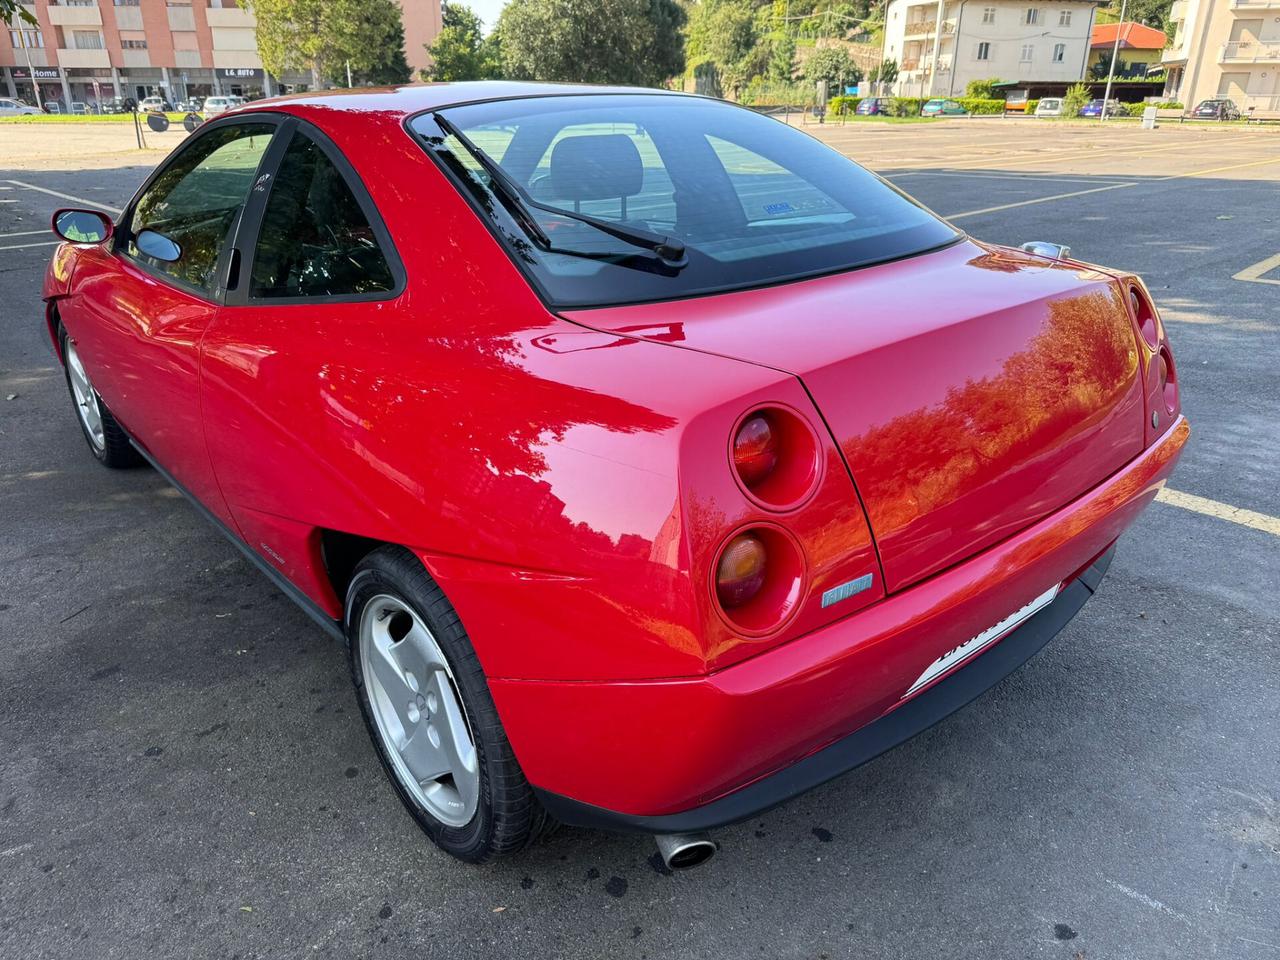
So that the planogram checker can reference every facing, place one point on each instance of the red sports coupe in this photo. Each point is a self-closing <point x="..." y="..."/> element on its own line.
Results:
<point x="655" y="462"/>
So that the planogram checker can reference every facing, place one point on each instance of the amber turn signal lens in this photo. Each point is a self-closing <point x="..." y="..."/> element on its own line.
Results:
<point x="755" y="450"/>
<point x="740" y="573"/>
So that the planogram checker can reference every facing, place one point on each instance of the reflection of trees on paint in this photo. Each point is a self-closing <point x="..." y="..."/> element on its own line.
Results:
<point x="1076" y="368"/>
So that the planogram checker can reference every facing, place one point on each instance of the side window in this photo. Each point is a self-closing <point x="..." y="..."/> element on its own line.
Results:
<point x="195" y="200"/>
<point x="315" y="240"/>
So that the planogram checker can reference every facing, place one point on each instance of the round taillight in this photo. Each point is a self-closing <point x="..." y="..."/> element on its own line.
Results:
<point x="755" y="450"/>
<point x="741" y="571"/>
<point x="775" y="454"/>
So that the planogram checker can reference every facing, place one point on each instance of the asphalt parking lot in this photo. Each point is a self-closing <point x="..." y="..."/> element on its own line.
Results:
<point x="184" y="772"/>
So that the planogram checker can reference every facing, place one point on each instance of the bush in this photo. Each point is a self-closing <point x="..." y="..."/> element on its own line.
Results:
<point x="842" y="104"/>
<point x="1077" y="96"/>
<point x="982" y="106"/>
<point x="1031" y="107"/>
<point x="981" y="89"/>
<point x="906" y="106"/>
<point x="1169" y="105"/>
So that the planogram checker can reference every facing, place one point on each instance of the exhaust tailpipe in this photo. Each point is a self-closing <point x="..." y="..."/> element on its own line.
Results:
<point x="680" y="851"/>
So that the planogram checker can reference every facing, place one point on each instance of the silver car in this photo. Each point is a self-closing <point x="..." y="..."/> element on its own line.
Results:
<point x="15" y="108"/>
<point x="1049" y="107"/>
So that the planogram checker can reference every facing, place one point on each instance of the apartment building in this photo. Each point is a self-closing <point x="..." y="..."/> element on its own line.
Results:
<point x="91" y="50"/>
<point x="1225" y="48"/>
<point x="941" y="45"/>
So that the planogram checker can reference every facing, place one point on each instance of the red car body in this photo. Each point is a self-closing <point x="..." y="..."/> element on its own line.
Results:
<point x="983" y="425"/>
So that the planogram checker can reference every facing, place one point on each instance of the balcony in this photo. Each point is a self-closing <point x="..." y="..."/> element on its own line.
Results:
<point x="230" y="17"/>
<point x="83" y="59"/>
<point x="1178" y="12"/>
<point x="1250" y="51"/>
<point x="61" y="16"/>
<point x="1248" y="6"/>
<point x="918" y="28"/>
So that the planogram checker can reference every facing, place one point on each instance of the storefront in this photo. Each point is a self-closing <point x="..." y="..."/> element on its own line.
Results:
<point x="22" y="82"/>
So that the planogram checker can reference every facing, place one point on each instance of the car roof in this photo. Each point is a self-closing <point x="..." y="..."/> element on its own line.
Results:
<point x="419" y="97"/>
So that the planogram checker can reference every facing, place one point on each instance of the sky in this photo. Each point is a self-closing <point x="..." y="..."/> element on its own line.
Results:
<point x="487" y="10"/>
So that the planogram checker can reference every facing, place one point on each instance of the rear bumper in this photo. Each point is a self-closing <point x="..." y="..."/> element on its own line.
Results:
<point x="695" y="753"/>
<point x="915" y="716"/>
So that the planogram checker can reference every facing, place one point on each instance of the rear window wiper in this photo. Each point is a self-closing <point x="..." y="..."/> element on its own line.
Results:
<point x="667" y="249"/>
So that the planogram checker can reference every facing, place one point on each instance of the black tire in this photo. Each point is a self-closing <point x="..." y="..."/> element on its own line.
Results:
<point x="508" y="816"/>
<point x="116" y="451"/>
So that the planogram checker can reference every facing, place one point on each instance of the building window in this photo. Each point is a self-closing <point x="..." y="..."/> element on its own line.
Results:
<point x="988" y="14"/>
<point x="133" y="44"/>
<point x="79" y="3"/>
<point x="984" y="51"/>
<point x="1059" y="52"/>
<point x="1033" y="16"/>
<point x="128" y="3"/>
<point x="1064" y="18"/>
<point x="33" y="39"/>
<point x="87" y="39"/>
<point x="1027" y="51"/>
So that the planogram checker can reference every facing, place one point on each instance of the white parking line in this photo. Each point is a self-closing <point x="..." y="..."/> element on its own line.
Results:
<point x="1254" y="274"/>
<point x="1031" y="177"/>
<point x="65" y="196"/>
<point x="22" y="233"/>
<point x="24" y="246"/>
<point x="1027" y="203"/>
<point x="1222" y="511"/>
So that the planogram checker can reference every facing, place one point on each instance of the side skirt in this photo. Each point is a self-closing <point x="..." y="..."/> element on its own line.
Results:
<point x="312" y="609"/>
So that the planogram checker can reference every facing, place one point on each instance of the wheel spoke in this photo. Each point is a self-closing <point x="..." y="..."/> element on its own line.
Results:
<point x="423" y="755"/>
<point x="455" y="740"/>
<point x="390" y="678"/>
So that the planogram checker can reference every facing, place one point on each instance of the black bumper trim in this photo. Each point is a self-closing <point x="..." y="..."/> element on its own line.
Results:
<point x="867" y="743"/>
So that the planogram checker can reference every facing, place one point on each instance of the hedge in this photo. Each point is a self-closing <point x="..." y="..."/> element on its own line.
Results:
<point x="1031" y="107"/>
<point x="911" y="106"/>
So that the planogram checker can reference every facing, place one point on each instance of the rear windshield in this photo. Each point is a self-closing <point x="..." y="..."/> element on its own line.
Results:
<point x="751" y="200"/>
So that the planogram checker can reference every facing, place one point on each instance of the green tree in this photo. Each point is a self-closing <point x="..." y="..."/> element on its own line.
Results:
<point x="10" y="9"/>
<point x="325" y="36"/>
<point x="886" y="72"/>
<point x="592" y="41"/>
<point x="1152" y="13"/>
<point x="833" y="65"/>
<point x="461" y="51"/>
<point x="726" y="35"/>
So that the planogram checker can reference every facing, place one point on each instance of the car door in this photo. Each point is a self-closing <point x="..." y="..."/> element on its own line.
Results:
<point x="311" y="296"/>
<point x="138" y="320"/>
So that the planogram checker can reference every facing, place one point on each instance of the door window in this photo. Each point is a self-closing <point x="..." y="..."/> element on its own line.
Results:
<point x="316" y="240"/>
<point x="195" y="201"/>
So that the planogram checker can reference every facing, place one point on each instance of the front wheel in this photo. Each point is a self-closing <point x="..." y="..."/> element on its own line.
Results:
<point x="107" y="440"/>
<point x="430" y="713"/>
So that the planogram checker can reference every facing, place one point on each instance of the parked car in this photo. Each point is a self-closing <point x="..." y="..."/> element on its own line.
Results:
<point x="80" y="107"/>
<point x="154" y="105"/>
<point x="1049" y="107"/>
<point x="943" y="108"/>
<point x="577" y="487"/>
<point x="191" y="105"/>
<point x="1219" y="109"/>
<point x="120" y="105"/>
<point x="1095" y="108"/>
<point x="14" y="108"/>
<point x="874" y="106"/>
<point x="216" y="105"/>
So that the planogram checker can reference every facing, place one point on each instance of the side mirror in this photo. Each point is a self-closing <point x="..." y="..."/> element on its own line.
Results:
<point x="82" y="226"/>
<point x="157" y="246"/>
<point x="1055" y="250"/>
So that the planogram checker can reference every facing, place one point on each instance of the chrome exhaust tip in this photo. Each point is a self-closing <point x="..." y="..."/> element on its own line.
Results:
<point x="681" y="851"/>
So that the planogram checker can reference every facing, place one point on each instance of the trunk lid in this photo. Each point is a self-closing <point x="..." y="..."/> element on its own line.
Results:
<point x="972" y="390"/>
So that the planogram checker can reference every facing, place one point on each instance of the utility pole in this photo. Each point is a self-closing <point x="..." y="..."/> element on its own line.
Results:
<point x="348" y="74"/>
<point x="35" y="84"/>
<point x="1115" y="49"/>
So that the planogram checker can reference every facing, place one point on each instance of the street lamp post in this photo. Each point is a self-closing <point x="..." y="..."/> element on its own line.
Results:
<point x="35" y="84"/>
<point x="1115" y="49"/>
